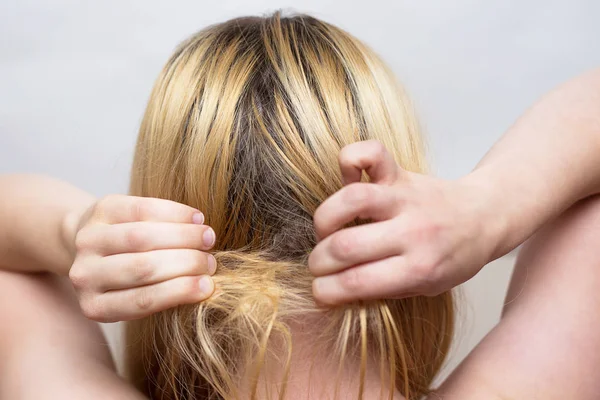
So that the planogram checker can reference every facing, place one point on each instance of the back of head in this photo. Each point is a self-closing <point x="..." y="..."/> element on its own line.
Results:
<point x="245" y="123"/>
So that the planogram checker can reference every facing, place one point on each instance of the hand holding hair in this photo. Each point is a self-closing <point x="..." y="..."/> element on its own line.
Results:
<point x="427" y="235"/>
<point x="135" y="256"/>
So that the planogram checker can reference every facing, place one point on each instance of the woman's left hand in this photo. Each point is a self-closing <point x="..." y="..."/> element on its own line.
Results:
<point x="427" y="235"/>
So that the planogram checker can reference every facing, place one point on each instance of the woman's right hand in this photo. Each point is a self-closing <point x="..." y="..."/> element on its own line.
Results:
<point x="135" y="256"/>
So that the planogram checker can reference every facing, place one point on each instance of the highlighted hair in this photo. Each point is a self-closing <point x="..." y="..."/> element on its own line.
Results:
<point x="245" y="123"/>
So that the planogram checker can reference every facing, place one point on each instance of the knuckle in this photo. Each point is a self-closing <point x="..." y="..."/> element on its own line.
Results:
<point x="323" y="221"/>
<point x="92" y="309"/>
<point x="343" y="245"/>
<point x="136" y="238"/>
<point x="139" y="209"/>
<point x="83" y="239"/>
<point x="357" y="195"/>
<point x="79" y="280"/>
<point x="107" y="203"/>
<point x="423" y="270"/>
<point x="144" y="298"/>
<point x="427" y="274"/>
<point x="142" y="270"/>
<point x="345" y="154"/>
<point x="377" y="149"/>
<point x="430" y="232"/>
<point x="350" y="280"/>
<point x="313" y="262"/>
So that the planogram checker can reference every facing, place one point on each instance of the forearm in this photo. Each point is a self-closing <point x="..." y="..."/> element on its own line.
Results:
<point x="547" y="342"/>
<point x="48" y="349"/>
<point x="33" y="233"/>
<point x="546" y="162"/>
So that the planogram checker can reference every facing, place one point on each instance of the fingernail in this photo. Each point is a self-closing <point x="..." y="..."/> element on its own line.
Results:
<point x="206" y="285"/>
<point x="212" y="264"/>
<point x="209" y="237"/>
<point x="198" y="218"/>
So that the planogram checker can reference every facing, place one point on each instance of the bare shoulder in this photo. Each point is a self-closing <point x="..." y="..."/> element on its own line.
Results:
<point x="48" y="349"/>
<point x="547" y="341"/>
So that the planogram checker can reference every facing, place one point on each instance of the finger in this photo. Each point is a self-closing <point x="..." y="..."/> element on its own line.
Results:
<point x="353" y="246"/>
<point x="370" y="156"/>
<point x="383" y="279"/>
<point x="357" y="200"/>
<point x="123" y="305"/>
<point x="116" y="209"/>
<point x="129" y="270"/>
<point x="136" y="237"/>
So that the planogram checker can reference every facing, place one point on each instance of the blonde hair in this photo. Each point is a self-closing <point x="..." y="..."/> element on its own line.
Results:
<point x="245" y="123"/>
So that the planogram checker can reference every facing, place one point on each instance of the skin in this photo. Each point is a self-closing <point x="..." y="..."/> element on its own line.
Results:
<point x="428" y="236"/>
<point x="431" y="234"/>
<point x="545" y="304"/>
<point x="49" y="350"/>
<point x="546" y="345"/>
<point x="135" y="256"/>
<point x="127" y="257"/>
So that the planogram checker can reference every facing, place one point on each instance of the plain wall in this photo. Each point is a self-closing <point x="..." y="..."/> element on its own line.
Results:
<point x="75" y="76"/>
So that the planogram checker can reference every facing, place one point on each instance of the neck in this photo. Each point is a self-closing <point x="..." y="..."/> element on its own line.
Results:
<point x="315" y="374"/>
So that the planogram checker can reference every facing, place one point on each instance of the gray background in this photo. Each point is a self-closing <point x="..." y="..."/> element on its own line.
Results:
<point x="75" y="76"/>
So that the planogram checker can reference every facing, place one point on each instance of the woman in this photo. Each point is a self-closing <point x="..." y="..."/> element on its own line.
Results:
<point x="257" y="153"/>
<point x="245" y="123"/>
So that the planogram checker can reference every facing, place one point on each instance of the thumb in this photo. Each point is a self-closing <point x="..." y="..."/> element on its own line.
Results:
<point x="370" y="156"/>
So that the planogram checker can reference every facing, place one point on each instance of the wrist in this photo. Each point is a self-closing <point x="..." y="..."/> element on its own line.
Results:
<point x="493" y="214"/>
